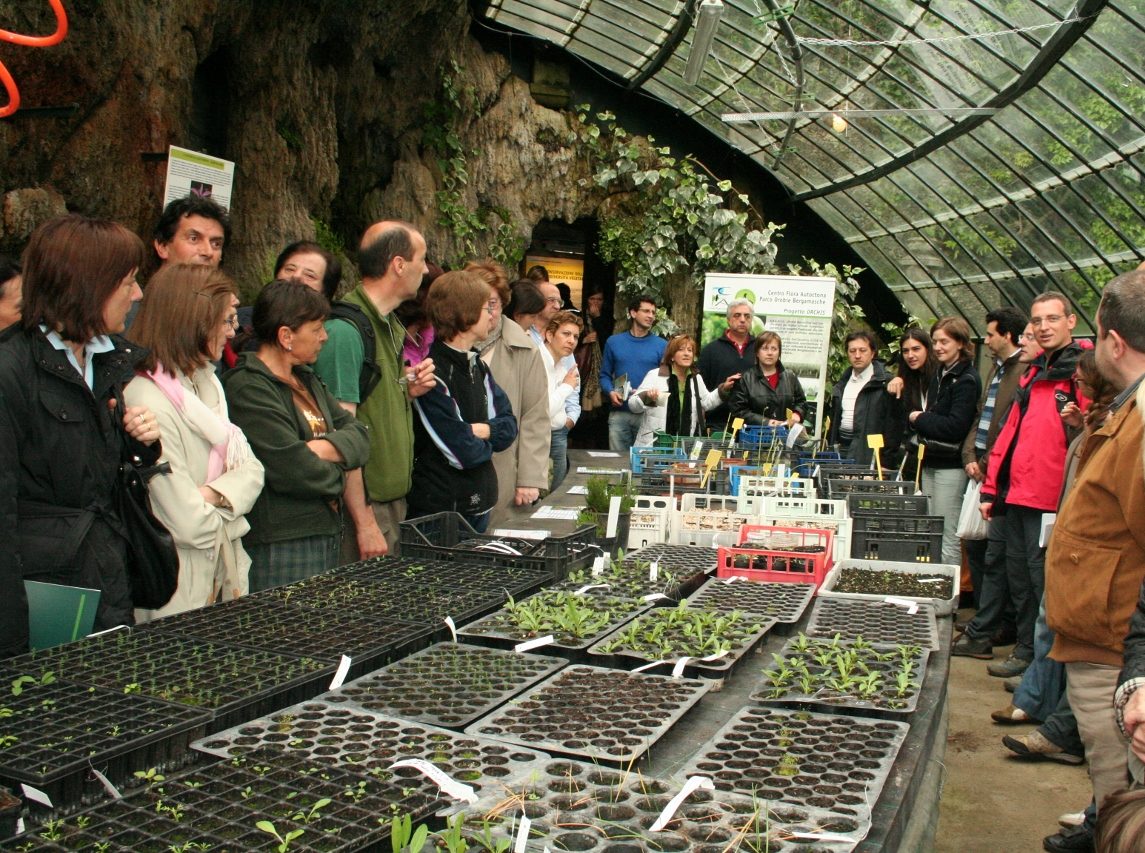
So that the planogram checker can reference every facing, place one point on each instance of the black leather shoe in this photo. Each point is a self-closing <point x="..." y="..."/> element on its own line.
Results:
<point x="1004" y="636"/>
<point x="1078" y="839"/>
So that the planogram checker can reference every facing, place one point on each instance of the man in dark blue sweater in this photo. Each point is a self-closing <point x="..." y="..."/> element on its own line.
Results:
<point x="628" y="356"/>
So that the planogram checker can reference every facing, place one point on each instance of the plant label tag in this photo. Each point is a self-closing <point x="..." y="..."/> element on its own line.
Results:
<point x="649" y="665"/>
<point x="654" y="570"/>
<point x="697" y="449"/>
<point x="793" y="433"/>
<point x="340" y="675"/>
<point x="733" y="579"/>
<point x="107" y="786"/>
<point x="108" y="631"/>
<point x="589" y="586"/>
<point x="721" y="653"/>
<point x="737" y="425"/>
<point x="678" y="669"/>
<point x="654" y="596"/>
<point x="598" y="566"/>
<point x="822" y="836"/>
<point x="613" y="516"/>
<point x="20" y="826"/>
<point x="911" y="606"/>
<point x="528" y="645"/>
<point x="693" y="783"/>
<point x="447" y="786"/>
<point x="36" y="796"/>
<point x="522" y="834"/>
<point x="1048" y="519"/>
<point x="449" y="623"/>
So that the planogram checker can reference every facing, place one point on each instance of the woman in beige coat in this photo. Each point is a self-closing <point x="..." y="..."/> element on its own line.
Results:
<point x="187" y="316"/>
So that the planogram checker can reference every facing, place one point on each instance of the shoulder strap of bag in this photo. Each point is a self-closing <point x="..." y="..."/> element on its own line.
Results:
<point x="370" y="374"/>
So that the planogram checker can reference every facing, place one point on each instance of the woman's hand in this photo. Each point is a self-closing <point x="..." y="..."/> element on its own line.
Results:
<point x="726" y="385"/>
<point x="140" y="424"/>
<point x="895" y="387"/>
<point x="481" y="431"/>
<point x="212" y="497"/>
<point x="589" y="338"/>
<point x="1072" y="416"/>
<point x="325" y="451"/>
<point x="913" y="416"/>
<point x="572" y="378"/>
<point x="650" y="396"/>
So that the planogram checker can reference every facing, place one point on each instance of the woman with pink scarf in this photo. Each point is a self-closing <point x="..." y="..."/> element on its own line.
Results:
<point x="186" y="318"/>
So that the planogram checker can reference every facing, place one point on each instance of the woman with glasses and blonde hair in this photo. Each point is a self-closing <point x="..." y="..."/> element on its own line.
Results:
<point x="673" y="398"/>
<point x="187" y="317"/>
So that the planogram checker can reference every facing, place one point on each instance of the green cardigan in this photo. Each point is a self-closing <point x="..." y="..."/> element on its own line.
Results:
<point x="300" y="487"/>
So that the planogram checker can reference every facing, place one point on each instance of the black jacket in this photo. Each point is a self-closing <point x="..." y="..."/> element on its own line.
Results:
<point x="876" y="412"/>
<point x="719" y="360"/>
<point x="60" y="452"/>
<point x="754" y="400"/>
<point x="951" y="412"/>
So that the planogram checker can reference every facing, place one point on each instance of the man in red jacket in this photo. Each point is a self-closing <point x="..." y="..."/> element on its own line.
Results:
<point x="1027" y="464"/>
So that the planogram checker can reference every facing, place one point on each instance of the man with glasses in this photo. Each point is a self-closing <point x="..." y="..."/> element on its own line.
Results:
<point x="1027" y="464"/>
<point x="728" y="356"/>
<point x="629" y="355"/>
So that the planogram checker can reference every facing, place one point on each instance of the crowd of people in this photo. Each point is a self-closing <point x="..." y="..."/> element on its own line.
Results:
<point x="296" y="434"/>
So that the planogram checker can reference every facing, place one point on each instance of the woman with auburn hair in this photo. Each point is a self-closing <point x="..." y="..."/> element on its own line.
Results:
<point x="187" y="317"/>
<point x="949" y="414"/>
<point x="766" y="392"/>
<point x="673" y="397"/>
<point x="564" y="388"/>
<point x="64" y="429"/>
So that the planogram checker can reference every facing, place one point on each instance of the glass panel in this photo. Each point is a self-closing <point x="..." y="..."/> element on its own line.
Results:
<point x="834" y="217"/>
<point x="862" y="221"/>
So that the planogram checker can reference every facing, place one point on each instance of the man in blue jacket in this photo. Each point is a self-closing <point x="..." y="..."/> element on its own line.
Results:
<point x="629" y="355"/>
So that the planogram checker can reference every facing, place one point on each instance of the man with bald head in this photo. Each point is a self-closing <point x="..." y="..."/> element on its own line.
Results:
<point x="392" y="262"/>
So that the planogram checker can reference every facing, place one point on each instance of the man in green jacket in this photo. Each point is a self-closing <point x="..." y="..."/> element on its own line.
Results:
<point x="392" y="262"/>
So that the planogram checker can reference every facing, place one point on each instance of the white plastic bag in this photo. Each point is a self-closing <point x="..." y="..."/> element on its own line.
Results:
<point x="971" y="524"/>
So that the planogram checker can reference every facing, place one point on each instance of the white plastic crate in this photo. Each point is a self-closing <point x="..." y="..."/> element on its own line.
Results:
<point x="840" y="528"/>
<point x="701" y="518"/>
<point x="782" y="506"/>
<point x="942" y="606"/>
<point x="753" y="490"/>
<point x="650" y="519"/>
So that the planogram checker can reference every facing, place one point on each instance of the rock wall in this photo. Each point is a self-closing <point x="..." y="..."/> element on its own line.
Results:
<point x="321" y="103"/>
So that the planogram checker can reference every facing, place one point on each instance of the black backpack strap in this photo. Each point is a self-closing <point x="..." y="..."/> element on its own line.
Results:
<point x="370" y="373"/>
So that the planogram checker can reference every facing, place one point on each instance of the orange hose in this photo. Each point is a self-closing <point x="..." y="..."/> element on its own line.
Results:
<point x="30" y="41"/>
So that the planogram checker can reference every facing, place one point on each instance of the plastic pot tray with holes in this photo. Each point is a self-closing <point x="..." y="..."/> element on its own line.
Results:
<point x="368" y="743"/>
<point x="626" y="580"/>
<point x="449" y="684"/>
<point x="883" y="681"/>
<point x="445" y="574"/>
<point x="220" y="808"/>
<point x="902" y="580"/>
<point x="56" y="732"/>
<point x="602" y="714"/>
<point x="574" y="621"/>
<point x="875" y="621"/>
<point x="833" y="762"/>
<point x="678" y="630"/>
<point x="226" y="680"/>
<point x="783" y="602"/>
<point x="573" y="805"/>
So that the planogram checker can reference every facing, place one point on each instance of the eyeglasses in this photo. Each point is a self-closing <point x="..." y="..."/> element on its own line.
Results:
<point x="553" y="300"/>
<point x="1046" y="321"/>
<point x="492" y="305"/>
<point x="232" y="321"/>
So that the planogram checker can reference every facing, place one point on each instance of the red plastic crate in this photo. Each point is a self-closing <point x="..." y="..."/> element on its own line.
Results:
<point x="778" y="566"/>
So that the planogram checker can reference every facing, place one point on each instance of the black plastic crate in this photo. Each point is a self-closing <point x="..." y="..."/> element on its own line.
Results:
<point x="446" y="536"/>
<point x="718" y="482"/>
<point x="839" y="486"/>
<point x="870" y="502"/>
<point x="896" y="536"/>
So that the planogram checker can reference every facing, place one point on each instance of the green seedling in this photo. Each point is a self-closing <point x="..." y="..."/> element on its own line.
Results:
<point x="283" y="841"/>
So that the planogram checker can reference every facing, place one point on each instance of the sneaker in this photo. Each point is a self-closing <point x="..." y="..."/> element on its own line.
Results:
<point x="1011" y="715"/>
<point x="1078" y="839"/>
<point x="1008" y="668"/>
<point x="973" y="647"/>
<point x="1038" y="747"/>
<point x="1070" y="819"/>
<point x="1011" y="683"/>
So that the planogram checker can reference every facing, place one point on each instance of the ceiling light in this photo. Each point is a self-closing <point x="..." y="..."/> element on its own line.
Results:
<point x="838" y="123"/>
<point x="707" y="19"/>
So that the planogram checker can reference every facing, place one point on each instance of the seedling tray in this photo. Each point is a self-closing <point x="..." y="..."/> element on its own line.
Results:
<point x="833" y="762"/>
<point x="602" y="613"/>
<point x="664" y="636"/>
<point x="602" y="714"/>
<point x="59" y="730"/>
<point x="262" y="622"/>
<point x="220" y="808"/>
<point x="783" y="602"/>
<point x="368" y="743"/>
<point x="902" y="580"/>
<point x="838" y="675"/>
<point x="627" y="580"/>
<point x="228" y="681"/>
<point x="514" y="580"/>
<point x="573" y="805"/>
<point x="448" y="684"/>
<point x="875" y="621"/>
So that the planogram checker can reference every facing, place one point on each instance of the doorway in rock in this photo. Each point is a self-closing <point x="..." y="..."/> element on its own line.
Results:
<point x="569" y="253"/>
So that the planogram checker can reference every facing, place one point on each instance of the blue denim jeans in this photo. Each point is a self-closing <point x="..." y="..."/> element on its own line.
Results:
<point x="623" y="427"/>
<point x="1043" y="682"/>
<point x="559" y="453"/>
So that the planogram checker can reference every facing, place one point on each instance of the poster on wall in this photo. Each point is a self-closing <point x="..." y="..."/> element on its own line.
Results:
<point x="192" y="173"/>
<point x="567" y="270"/>
<point x="798" y="308"/>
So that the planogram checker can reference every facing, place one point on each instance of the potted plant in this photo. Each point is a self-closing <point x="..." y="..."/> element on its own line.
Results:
<point x="598" y="500"/>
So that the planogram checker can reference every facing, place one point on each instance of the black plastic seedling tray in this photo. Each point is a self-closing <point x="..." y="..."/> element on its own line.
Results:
<point x="633" y="646"/>
<point x="845" y="676"/>
<point x="228" y="681"/>
<point x="573" y="805"/>
<point x="602" y="714"/>
<point x="220" y="808"/>
<point x="449" y="684"/>
<point x="833" y="762"/>
<point x="368" y="743"/>
<point x="59" y="730"/>
<point x="783" y="602"/>
<point x="875" y="621"/>
<point x="447" y="574"/>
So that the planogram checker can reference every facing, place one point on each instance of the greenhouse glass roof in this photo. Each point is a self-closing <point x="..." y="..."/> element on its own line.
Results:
<point x="1005" y="159"/>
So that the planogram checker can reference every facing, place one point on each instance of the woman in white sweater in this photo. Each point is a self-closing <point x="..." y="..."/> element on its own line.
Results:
<point x="561" y="336"/>
<point x="187" y="316"/>
<point x="673" y="398"/>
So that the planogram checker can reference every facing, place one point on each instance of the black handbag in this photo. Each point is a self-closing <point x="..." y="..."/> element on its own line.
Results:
<point x="944" y="451"/>
<point x="152" y="559"/>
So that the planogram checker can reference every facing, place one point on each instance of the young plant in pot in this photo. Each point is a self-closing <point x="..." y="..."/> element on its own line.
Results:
<point x="598" y="499"/>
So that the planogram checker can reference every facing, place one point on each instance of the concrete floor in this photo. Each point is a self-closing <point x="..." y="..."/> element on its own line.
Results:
<point x="992" y="802"/>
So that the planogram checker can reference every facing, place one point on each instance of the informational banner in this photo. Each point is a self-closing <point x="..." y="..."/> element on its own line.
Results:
<point x="192" y="173"/>
<point x="798" y="308"/>
<point x="561" y="269"/>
